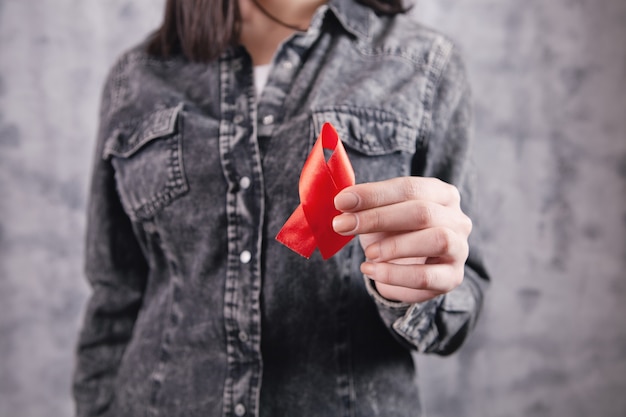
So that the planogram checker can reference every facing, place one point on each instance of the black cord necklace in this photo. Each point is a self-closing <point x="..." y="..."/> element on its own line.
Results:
<point x="277" y="20"/>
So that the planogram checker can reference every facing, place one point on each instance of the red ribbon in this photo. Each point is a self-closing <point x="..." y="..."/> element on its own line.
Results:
<point x="310" y="225"/>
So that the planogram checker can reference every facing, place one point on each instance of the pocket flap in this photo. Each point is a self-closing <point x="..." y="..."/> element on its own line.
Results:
<point x="129" y="137"/>
<point x="369" y="131"/>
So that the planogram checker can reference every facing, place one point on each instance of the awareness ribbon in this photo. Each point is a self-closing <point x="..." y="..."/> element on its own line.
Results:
<point x="310" y="225"/>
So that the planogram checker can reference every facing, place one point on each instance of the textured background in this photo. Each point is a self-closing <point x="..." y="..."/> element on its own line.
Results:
<point x="550" y="90"/>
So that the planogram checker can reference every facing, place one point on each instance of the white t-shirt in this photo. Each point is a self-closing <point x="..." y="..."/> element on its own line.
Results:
<point x="261" y="73"/>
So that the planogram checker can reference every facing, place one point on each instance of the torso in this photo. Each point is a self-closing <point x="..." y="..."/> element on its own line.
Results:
<point x="234" y="309"/>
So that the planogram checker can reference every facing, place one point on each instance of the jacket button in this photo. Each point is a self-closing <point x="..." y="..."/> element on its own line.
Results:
<point x="244" y="183"/>
<point x="268" y="120"/>
<point x="240" y="410"/>
<point x="243" y="336"/>
<point x="245" y="256"/>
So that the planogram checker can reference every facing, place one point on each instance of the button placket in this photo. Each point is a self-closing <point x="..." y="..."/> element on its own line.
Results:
<point x="245" y="211"/>
<point x="270" y="110"/>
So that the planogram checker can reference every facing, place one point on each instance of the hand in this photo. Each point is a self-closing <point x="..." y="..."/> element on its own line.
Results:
<point x="414" y="234"/>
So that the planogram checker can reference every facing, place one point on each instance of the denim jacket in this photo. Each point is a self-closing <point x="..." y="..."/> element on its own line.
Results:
<point x="196" y="309"/>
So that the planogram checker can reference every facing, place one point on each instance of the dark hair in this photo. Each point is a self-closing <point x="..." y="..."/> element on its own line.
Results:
<point x="201" y="30"/>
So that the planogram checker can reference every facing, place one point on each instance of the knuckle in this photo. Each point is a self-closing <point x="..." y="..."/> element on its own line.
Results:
<point x="422" y="215"/>
<point x="426" y="279"/>
<point x="378" y="197"/>
<point x="464" y="251"/>
<point x="436" y="181"/>
<point x="383" y="274"/>
<point x="453" y="279"/>
<point x="377" y="220"/>
<point x="443" y="240"/>
<point x="411" y="188"/>
<point x="469" y="225"/>
<point x="455" y="194"/>
<point x="457" y="278"/>
<point x="390" y="249"/>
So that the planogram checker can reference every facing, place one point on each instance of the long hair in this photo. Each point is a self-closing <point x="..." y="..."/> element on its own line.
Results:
<point x="201" y="30"/>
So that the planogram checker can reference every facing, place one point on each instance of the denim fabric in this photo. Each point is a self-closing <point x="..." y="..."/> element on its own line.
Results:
<point x="196" y="310"/>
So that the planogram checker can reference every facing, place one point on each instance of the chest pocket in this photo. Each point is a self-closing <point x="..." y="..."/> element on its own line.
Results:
<point x="147" y="158"/>
<point x="380" y="144"/>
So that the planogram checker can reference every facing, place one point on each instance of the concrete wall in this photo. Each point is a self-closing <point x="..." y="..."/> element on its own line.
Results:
<point x="550" y="90"/>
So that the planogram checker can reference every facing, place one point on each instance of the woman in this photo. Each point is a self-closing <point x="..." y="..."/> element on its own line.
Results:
<point x="196" y="309"/>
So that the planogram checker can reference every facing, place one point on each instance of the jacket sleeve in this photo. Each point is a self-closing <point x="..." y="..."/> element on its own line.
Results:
<point x="116" y="270"/>
<point x="442" y="324"/>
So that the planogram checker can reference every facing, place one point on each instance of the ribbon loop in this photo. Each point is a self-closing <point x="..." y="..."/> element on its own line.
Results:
<point x="310" y="225"/>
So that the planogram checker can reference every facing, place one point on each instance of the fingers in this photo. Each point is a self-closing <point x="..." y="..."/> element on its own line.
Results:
<point x="437" y="278"/>
<point x="439" y="243"/>
<point x="403" y="216"/>
<point x="376" y="194"/>
<point x="414" y="234"/>
<point x="400" y="276"/>
<point x="405" y="295"/>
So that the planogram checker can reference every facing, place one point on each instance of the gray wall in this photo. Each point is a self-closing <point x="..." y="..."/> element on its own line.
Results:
<point x="550" y="90"/>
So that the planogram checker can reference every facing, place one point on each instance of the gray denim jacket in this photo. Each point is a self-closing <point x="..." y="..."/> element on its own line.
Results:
<point x="196" y="309"/>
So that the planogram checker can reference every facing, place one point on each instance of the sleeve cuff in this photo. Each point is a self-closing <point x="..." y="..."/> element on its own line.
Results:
<point x="412" y="323"/>
<point x="382" y="301"/>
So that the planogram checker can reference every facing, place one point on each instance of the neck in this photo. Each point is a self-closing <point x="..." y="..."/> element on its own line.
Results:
<point x="267" y="23"/>
<point x="277" y="20"/>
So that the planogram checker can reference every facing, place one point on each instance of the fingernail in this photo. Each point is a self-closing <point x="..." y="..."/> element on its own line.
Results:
<point x="346" y="201"/>
<point x="368" y="268"/>
<point x="345" y="223"/>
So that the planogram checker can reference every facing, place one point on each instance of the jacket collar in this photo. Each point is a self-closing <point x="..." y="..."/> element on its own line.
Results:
<point x="354" y="17"/>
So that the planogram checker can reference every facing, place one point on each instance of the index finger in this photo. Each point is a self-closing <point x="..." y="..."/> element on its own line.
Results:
<point x="383" y="193"/>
